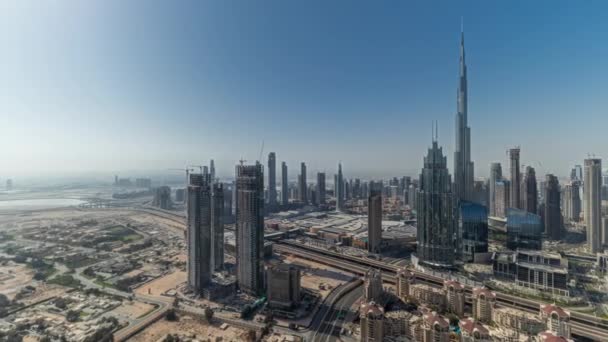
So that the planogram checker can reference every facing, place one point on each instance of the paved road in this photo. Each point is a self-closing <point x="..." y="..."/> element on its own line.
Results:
<point x="325" y="320"/>
<point x="339" y="315"/>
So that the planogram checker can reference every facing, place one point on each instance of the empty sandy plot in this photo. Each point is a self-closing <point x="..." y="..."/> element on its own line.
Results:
<point x="187" y="326"/>
<point x="162" y="284"/>
<point x="13" y="277"/>
<point x="133" y="309"/>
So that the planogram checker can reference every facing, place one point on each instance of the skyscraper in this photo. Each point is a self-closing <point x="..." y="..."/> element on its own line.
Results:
<point x="217" y="226"/>
<point x="552" y="214"/>
<point x="572" y="201"/>
<point x="435" y="206"/>
<point x="272" y="179"/>
<point x="593" y="204"/>
<point x="501" y="197"/>
<point x="199" y="233"/>
<point x="529" y="191"/>
<point x="212" y="170"/>
<point x="495" y="176"/>
<point x="374" y="218"/>
<point x="515" y="178"/>
<point x="463" y="166"/>
<point x="250" y="228"/>
<point x="473" y="230"/>
<point x="321" y="188"/>
<point x="284" y="185"/>
<point x="340" y="189"/>
<point x="302" y="187"/>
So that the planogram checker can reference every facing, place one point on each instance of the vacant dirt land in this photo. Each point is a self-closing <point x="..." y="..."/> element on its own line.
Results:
<point x="162" y="284"/>
<point x="188" y="326"/>
<point x="13" y="277"/>
<point x="133" y="309"/>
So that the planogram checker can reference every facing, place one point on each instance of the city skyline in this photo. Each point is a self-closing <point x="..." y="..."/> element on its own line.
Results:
<point x="66" y="116"/>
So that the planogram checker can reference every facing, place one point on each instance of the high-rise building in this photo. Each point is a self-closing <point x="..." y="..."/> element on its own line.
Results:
<point x="556" y="319"/>
<point x="217" y="226"/>
<point x="340" y="189"/>
<point x="250" y="228"/>
<point x="463" y="166"/>
<point x="199" y="233"/>
<point x="495" y="176"/>
<point x="284" y="185"/>
<point x="552" y="214"/>
<point x="321" y="188"/>
<point x="501" y="197"/>
<point x="272" y="179"/>
<point x="283" y="286"/>
<point x="529" y="191"/>
<point x="302" y="187"/>
<point x="162" y="197"/>
<point x="473" y="230"/>
<point x="374" y="218"/>
<point x="593" y="204"/>
<point x="524" y="230"/>
<point x="572" y="201"/>
<point x="212" y="170"/>
<point x="435" y="211"/>
<point x="515" y="178"/>
<point x="373" y="285"/>
<point x="371" y="319"/>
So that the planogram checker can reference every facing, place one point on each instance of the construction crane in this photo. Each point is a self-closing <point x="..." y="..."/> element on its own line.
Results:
<point x="199" y="166"/>
<point x="188" y="170"/>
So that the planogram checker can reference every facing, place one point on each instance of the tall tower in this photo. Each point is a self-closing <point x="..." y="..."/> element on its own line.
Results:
<point x="284" y="185"/>
<point x="529" y="191"/>
<point x="374" y="218"/>
<point x="495" y="176"/>
<point x="593" y="203"/>
<point x="272" y="179"/>
<point x="515" y="178"/>
<point x="553" y="214"/>
<point x="463" y="166"/>
<point x="321" y="188"/>
<point x="217" y="226"/>
<point x="302" y="187"/>
<point x="199" y="233"/>
<point x="435" y="209"/>
<point x="212" y="170"/>
<point x="250" y="228"/>
<point x="340" y="189"/>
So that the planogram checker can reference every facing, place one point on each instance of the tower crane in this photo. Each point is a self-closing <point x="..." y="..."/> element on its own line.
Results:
<point x="187" y="170"/>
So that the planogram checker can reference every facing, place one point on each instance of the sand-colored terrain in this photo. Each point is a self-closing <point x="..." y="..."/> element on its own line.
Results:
<point x="133" y="309"/>
<point x="13" y="277"/>
<point x="188" y="326"/>
<point x="161" y="285"/>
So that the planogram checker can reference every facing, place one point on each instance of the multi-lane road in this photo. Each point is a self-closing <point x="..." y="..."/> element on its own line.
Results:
<point x="582" y="324"/>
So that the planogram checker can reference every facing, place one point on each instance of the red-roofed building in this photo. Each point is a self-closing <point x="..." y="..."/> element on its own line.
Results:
<point x="473" y="331"/>
<point x="435" y="328"/>
<point x="484" y="301"/>
<point x="556" y="319"/>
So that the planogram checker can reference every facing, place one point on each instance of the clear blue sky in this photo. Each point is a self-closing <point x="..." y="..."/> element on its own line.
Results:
<point x="147" y="85"/>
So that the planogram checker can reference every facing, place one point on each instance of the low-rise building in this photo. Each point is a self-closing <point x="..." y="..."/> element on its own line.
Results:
<point x="454" y="292"/>
<point x="473" y="331"/>
<point x="518" y="320"/>
<point x="484" y="302"/>
<point x="371" y="317"/>
<point x="556" y="319"/>
<point x="428" y="295"/>
<point x="435" y="328"/>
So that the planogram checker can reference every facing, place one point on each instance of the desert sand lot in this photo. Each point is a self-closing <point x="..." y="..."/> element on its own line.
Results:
<point x="157" y="220"/>
<point x="162" y="284"/>
<point x="13" y="277"/>
<point x="133" y="309"/>
<point x="188" y="326"/>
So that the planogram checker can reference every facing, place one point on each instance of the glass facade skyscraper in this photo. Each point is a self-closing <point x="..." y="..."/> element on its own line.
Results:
<point x="524" y="230"/>
<point x="473" y="229"/>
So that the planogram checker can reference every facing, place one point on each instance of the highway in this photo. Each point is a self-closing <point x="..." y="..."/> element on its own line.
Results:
<point x="582" y="324"/>
<point x="324" y="322"/>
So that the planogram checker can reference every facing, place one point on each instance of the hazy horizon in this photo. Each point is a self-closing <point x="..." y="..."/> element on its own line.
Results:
<point x="105" y="86"/>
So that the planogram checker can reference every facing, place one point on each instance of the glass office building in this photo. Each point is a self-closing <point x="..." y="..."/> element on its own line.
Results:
<point x="473" y="228"/>
<point x="524" y="230"/>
